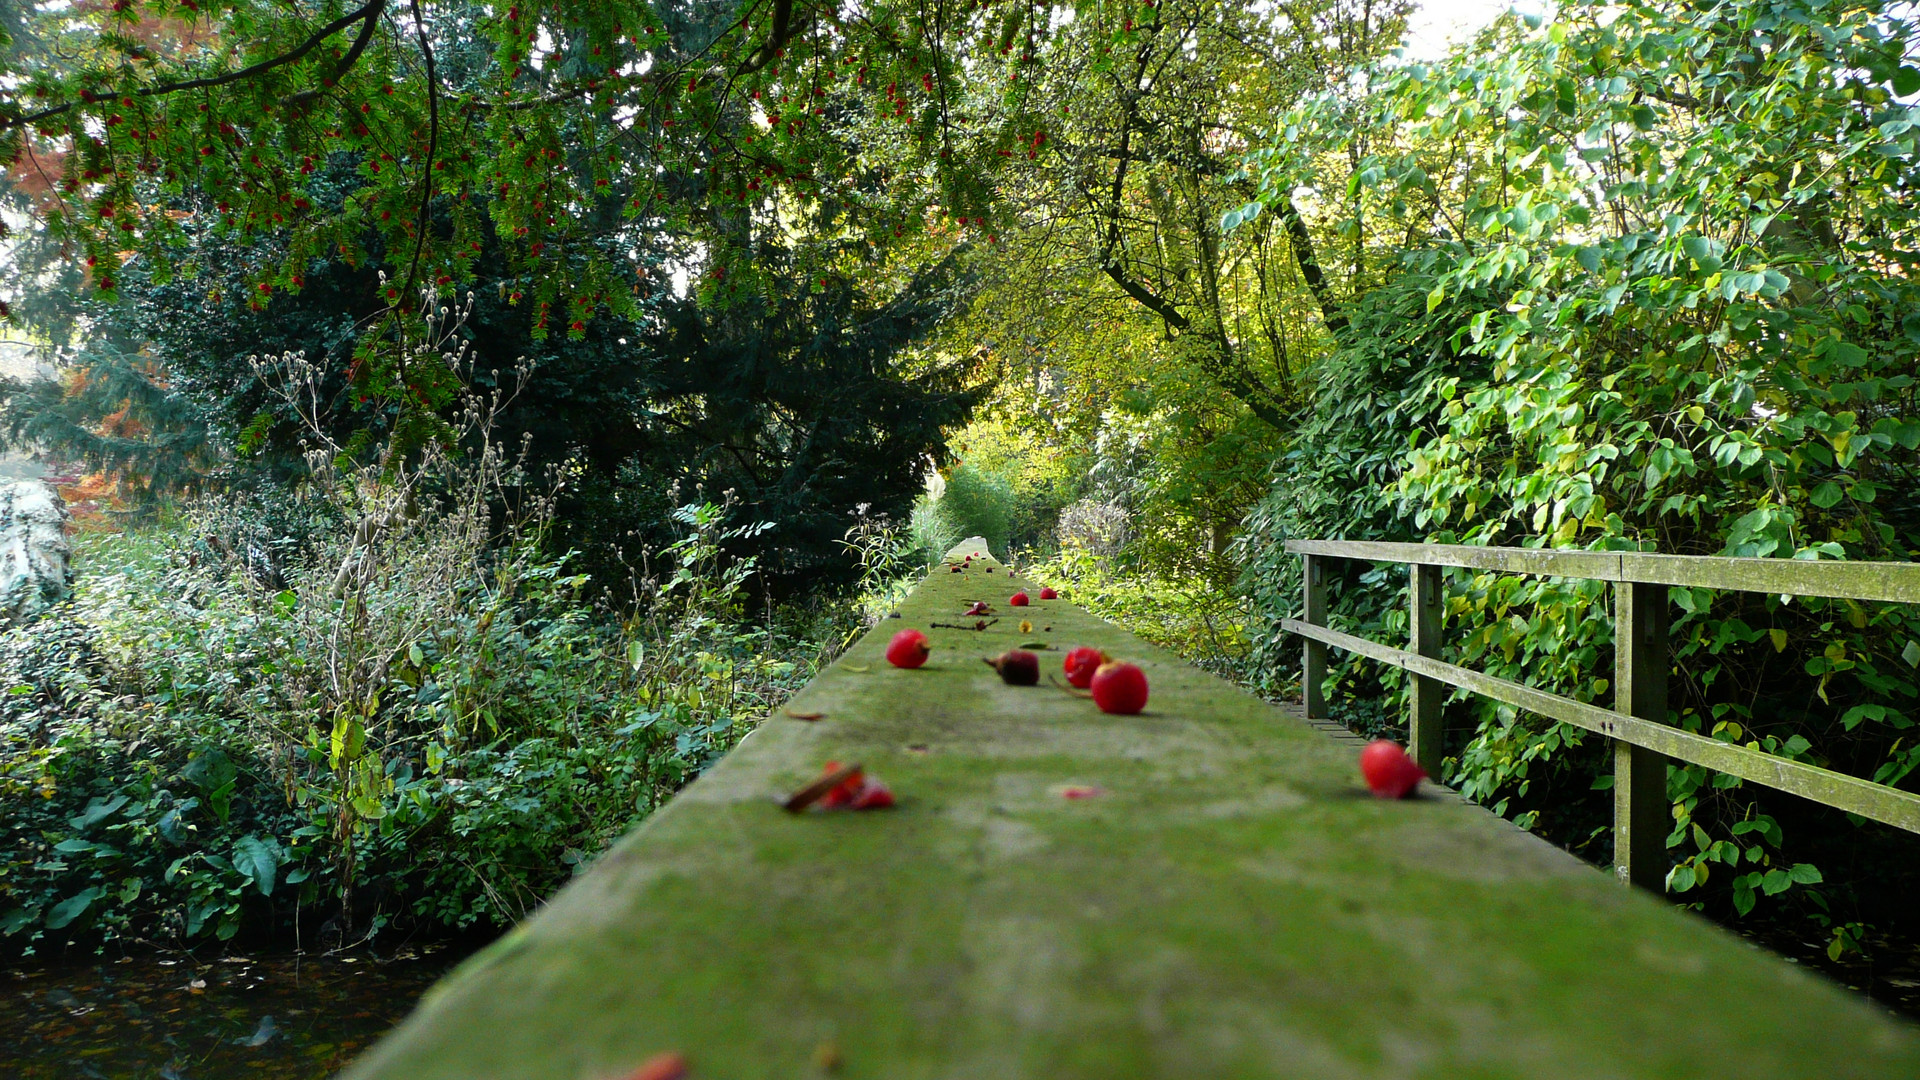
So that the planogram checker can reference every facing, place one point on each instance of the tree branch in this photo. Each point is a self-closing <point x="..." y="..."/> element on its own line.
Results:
<point x="368" y="13"/>
<point x="1310" y="265"/>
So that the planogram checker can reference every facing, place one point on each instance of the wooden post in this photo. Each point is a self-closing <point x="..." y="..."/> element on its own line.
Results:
<point x="1424" y="729"/>
<point x="1313" y="666"/>
<point x="1642" y="817"/>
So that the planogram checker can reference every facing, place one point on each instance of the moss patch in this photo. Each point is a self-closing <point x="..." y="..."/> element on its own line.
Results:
<point x="1231" y="904"/>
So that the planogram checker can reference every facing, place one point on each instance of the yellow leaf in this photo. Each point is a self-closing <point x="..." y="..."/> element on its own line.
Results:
<point x="1779" y="637"/>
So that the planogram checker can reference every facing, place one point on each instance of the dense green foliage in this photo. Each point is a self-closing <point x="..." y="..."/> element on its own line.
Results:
<point x="166" y="781"/>
<point x="1654" y="290"/>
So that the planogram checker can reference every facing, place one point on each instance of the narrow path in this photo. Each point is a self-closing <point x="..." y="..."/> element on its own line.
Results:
<point x="1231" y="904"/>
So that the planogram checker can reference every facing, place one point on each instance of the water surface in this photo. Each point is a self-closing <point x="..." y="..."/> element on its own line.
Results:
<point x="175" y="1017"/>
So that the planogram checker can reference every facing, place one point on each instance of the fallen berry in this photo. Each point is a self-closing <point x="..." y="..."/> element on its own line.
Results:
<point x="1047" y="593"/>
<point x="844" y="792"/>
<point x="661" y="1067"/>
<point x="1119" y="688"/>
<point x="1017" y="667"/>
<point x="873" y="795"/>
<point x="1080" y="665"/>
<point x="1389" y="772"/>
<point x="836" y="786"/>
<point x="979" y="608"/>
<point x="1018" y="599"/>
<point x="908" y="649"/>
<point x="1079" y="791"/>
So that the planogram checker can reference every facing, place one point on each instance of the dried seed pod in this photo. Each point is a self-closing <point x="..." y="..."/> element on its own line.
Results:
<point x="1017" y="667"/>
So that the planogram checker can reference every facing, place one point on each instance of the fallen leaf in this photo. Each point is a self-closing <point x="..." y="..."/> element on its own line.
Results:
<point x="861" y="668"/>
<point x="1026" y="626"/>
<point x="826" y="1057"/>
<point x="1079" y="791"/>
<point x="805" y="715"/>
<point x="918" y="748"/>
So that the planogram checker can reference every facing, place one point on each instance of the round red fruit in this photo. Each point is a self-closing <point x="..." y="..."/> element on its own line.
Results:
<point x="1017" y="667"/>
<point x="1080" y="665"/>
<point x="1047" y="593"/>
<point x="1018" y="599"/>
<point x="1389" y="772"/>
<point x="1119" y="688"/>
<point x="908" y="649"/>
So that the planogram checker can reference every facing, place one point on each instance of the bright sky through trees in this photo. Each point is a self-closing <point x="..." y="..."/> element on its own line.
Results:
<point x="1437" y="24"/>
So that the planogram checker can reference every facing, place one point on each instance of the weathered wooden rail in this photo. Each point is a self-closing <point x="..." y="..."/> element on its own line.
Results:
<point x="1643" y="740"/>
<point x="1228" y="903"/>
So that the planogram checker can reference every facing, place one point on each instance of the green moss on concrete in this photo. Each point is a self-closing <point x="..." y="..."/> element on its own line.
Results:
<point x="1232" y="905"/>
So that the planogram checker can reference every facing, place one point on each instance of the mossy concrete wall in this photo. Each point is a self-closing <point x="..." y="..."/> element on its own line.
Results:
<point x="1231" y="904"/>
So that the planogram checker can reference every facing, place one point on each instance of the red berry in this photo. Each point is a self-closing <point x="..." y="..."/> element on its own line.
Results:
<point x="1080" y="665"/>
<point x="661" y="1067"/>
<point x="908" y="649"/>
<point x="846" y="791"/>
<point x="1017" y="667"/>
<point x="1119" y="688"/>
<point x="1018" y="599"/>
<point x="873" y="795"/>
<point x="1047" y="593"/>
<point x="1389" y="772"/>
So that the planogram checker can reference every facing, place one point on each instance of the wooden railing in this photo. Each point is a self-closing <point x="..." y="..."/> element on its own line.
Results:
<point x="1643" y="741"/>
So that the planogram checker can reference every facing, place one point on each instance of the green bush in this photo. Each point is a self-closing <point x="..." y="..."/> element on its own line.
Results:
<point x="975" y="503"/>
<point x="171" y="773"/>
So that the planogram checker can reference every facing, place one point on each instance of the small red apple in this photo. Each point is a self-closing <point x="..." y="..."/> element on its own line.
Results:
<point x="908" y="649"/>
<point x="1389" y="772"/>
<point x="1047" y="593"/>
<point x="1119" y="688"/>
<point x="1080" y="665"/>
<point x="1018" y="599"/>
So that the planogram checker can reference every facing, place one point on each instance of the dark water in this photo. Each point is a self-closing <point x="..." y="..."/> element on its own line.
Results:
<point x="175" y="1017"/>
